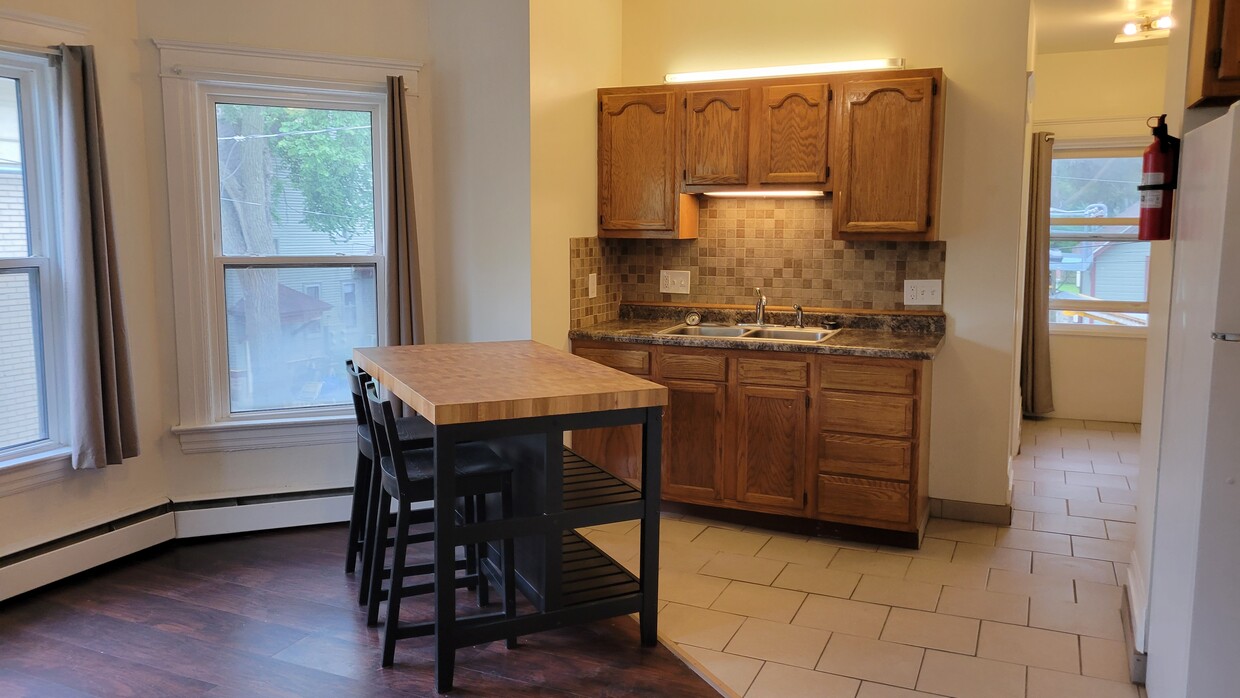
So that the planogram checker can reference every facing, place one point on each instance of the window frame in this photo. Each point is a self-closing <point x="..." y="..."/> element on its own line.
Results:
<point x="1084" y="149"/>
<point x="194" y="78"/>
<point x="33" y="463"/>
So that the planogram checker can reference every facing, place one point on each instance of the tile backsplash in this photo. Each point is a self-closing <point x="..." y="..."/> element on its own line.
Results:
<point x="781" y="245"/>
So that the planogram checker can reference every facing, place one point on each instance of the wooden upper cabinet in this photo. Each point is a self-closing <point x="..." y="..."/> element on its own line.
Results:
<point x="791" y="129"/>
<point x="717" y="136"/>
<point x="886" y="171"/>
<point x="1214" y="53"/>
<point x="638" y="177"/>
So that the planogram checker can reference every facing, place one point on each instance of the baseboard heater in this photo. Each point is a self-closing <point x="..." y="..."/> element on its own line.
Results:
<point x="49" y="562"/>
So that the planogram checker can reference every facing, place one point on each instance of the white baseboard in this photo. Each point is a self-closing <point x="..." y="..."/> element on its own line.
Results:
<point x="20" y="577"/>
<point x="214" y="521"/>
<point x="1138" y="601"/>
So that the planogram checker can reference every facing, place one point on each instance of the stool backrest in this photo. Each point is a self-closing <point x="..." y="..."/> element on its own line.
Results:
<point x="357" y="379"/>
<point x="383" y="429"/>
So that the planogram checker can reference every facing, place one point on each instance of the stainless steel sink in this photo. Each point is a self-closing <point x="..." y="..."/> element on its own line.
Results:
<point x="791" y="334"/>
<point x="808" y="335"/>
<point x="707" y="331"/>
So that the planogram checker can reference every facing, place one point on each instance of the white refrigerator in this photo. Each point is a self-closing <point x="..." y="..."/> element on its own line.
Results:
<point x="1194" y="622"/>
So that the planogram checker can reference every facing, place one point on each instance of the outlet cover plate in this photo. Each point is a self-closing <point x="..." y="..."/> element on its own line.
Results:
<point x="673" y="281"/>
<point x="923" y="292"/>
<point x="593" y="285"/>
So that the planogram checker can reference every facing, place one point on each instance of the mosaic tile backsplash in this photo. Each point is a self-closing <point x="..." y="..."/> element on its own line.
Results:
<point x="780" y="245"/>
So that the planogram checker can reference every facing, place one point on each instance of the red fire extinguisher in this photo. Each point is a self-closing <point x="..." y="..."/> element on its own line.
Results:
<point x="1158" y="182"/>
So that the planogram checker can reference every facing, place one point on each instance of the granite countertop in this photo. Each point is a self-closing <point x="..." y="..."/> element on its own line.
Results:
<point x="883" y="338"/>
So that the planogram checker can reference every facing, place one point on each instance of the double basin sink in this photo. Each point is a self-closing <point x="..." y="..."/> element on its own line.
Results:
<point x="772" y="333"/>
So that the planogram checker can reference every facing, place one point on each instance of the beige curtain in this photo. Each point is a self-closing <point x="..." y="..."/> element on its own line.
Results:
<point x="104" y="426"/>
<point x="1035" y="360"/>
<point x="404" y="318"/>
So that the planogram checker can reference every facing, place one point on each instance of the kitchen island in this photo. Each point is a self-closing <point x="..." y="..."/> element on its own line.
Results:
<point x="520" y="397"/>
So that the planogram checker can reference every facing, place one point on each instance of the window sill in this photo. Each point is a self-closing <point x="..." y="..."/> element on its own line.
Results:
<point x="267" y="433"/>
<point x="1113" y="332"/>
<point x="34" y="470"/>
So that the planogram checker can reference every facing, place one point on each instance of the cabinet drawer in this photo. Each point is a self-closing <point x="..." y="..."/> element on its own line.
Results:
<point x="883" y="415"/>
<point x="864" y="456"/>
<point x="873" y="378"/>
<point x="635" y="361"/>
<point x="693" y="366"/>
<point x="794" y="374"/>
<point x="863" y="499"/>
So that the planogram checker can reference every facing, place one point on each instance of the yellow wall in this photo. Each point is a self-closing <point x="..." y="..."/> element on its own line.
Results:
<point x="1099" y="94"/>
<point x="982" y="47"/>
<point x="574" y="49"/>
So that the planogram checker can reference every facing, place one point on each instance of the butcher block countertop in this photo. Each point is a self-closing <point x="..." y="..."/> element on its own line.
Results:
<point x="462" y="383"/>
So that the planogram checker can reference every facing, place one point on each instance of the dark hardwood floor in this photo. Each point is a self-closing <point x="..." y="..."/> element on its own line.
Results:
<point x="274" y="614"/>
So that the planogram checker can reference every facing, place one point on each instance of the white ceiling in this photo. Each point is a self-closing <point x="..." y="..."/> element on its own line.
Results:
<point x="1089" y="25"/>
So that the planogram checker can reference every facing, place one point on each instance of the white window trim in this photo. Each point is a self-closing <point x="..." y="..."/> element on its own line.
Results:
<point x="1100" y="147"/>
<point x="191" y="74"/>
<point x="48" y="460"/>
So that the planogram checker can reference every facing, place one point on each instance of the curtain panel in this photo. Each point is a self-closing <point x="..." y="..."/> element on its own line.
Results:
<point x="404" y="308"/>
<point x="1035" y="360"/>
<point x="100" y="380"/>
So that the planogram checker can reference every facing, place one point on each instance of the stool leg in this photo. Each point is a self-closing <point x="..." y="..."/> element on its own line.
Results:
<point x="357" y="519"/>
<point x="480" y="551"/>
<point x="373" y="487"/>
<point x="509" y="561"/>
<point x="379" y="552"/>
<point x="471" y="558"/>
<point x="394" y="591"/>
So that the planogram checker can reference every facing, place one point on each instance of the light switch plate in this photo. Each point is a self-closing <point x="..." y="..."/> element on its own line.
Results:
<point x="923" y="292"/>
<point x="593" y="284"/>
<point x="673" y="281"/>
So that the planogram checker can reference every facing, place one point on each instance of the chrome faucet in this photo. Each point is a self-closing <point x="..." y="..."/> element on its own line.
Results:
<point x="760" y="308"/>
<point x="800" y="319"/>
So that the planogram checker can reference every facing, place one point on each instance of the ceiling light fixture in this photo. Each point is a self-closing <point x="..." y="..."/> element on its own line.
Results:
<point x="765" y="194"/>
<point x="1146" y="28"/>
<point x="783" y="70"/>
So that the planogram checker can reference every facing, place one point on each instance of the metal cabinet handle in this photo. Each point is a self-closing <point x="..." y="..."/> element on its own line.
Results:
<point x="1226" y="336"/>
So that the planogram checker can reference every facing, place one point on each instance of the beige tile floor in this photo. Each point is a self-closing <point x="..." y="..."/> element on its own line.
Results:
<point x="1027" y="611"/>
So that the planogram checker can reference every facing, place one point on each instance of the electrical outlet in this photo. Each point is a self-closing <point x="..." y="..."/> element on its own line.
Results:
<point x="923" y="292"/>
<point x="593" y="284"/>
<point x="673" y="281"/>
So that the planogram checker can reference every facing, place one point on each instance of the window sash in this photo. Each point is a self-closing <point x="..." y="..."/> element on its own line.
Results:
<point x="36" y="83"/>
<point x="213" y="94"/>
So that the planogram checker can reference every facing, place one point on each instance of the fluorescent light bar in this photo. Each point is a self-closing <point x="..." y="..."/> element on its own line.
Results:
<point x="779" y="71"/>
<point x="765" y="194"/>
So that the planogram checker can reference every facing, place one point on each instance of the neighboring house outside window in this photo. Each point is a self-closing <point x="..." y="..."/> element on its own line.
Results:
<point x="30" y="301"/>
<point x="1099" y="271"/>
<point x="280" y="200"/>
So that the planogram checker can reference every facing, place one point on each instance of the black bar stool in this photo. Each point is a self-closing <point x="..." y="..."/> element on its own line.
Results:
<point x="409" y="478"/>
<point x="414" y="432"/>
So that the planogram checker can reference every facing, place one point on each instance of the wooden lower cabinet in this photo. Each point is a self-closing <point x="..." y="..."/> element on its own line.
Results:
<point x="693" y="440"/>
<point x="837" y="438"/>
<point x="770" y="451"/>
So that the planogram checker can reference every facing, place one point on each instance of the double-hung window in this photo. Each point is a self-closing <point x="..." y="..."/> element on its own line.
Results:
<point x="1099" y="271"/>
<point x="30" y="303"/>
<point x="277" y="169"/>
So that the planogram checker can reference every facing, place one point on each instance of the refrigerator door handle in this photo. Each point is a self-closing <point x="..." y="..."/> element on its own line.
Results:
<point x="1226" y="336"/>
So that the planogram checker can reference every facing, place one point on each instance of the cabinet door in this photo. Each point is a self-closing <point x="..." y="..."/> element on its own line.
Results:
<point x="771" y="447"/>
<point x="883" y="156"/>
<point x="693" y="436"/>
<point x="792" y="134"/>
<point x="637" y="161"/>
<point x="1229" y="43"/>
<point x="717" y="136"/>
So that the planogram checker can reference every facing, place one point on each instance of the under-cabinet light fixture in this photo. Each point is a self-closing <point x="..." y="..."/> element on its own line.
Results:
<point x="784" y="70"/>
<point x="765" y="194"/>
